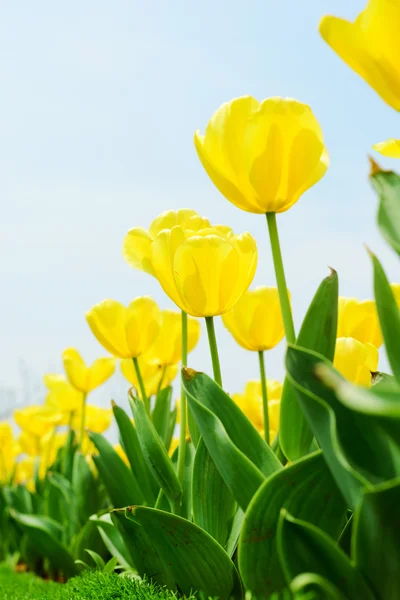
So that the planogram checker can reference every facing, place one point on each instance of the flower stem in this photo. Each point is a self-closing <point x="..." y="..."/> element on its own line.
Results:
<point x="83" y="419"/>
<point x="280" y="278"/>
<point x="212" y="340"/>
<point x="264" y="395"/>
<point x="182" y="431"/>
<point x="146" y="401"/>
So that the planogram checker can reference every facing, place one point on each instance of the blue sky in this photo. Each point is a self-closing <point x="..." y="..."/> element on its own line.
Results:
<point x="99" y="101"/>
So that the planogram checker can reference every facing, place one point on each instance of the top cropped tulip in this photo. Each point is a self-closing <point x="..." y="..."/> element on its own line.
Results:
<point x="125" y="332"/>
<point x="359" y="320"/>
<point x="256" y="320"/>
<point x="83" y="378"/>
<point x="262" y="156"/>
<point x="356" y="361"/>
<point x="370" y="46"/>
<point x="390" y="148"/>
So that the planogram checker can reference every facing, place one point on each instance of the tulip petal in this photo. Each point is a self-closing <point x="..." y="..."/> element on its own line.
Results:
<point x="162" y="256"/>
<point x="142" y="325"/>
<point x="136" y="249"/>
<point x="76" y="370"/>
<point x="100" y="371"/>
<point x="390" y="148"/>
<point x="107" y="322"/>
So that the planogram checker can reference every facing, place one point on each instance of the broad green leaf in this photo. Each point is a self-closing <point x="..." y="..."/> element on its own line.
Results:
<point x="379" y="378"/>
<point x="376" y="545"/>
<point x="161" y="412"/>
<point x="112" y="539"/>
<point x="155" y="453"/>
<point x="318" y="333"/>
<point x="307" y="490"/>
<point x="171" y="428"/>
<point x="387" y="185"/>
<point x="82" y="481"/>
<point x="88" y="537"/>
<point x="119" y="480"/>
<point x="30" y="553"/>
<point x="241" y="475"/>
<point x="200" y="388"/>
<point x="389" y="316"/>
<point x="97" y="559"/>
<point x="303" y="548"/>
<point x="197" y="561"/>
<point x="307" y="583"/>
<point x="185" y="509"/>
<point x="130" y="443"/>
<point x="214" y="506"/>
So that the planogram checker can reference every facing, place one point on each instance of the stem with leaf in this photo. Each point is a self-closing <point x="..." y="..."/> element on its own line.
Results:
<point x="212" y="340"/>
<point x="145" y="399"/>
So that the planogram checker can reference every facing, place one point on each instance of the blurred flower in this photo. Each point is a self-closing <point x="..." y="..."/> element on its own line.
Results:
<point x="97" y="419"/>
<point x="121" y="453"/>
<point x="83" y="378"/>
<point x="251" y="404"/>
<point x="62" y="397"/>
<point x="370" y="46"/>
<point x="125" y="332"/>
<point x="256" y="320"/>
<point x="207" y="273"/>
<point x="167" y="348"/>
<point x="153" y="375"/>
<point x="359" y="320"/>
<point x="355" y="361"/>
<point x="263" y="156"/>
<point x="9" y="449"/>
<point x="390" y="148"/>
<point x="37" y="420"/>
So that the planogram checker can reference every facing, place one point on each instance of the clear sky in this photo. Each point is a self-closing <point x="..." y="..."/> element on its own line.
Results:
<point x="99" y="101"/>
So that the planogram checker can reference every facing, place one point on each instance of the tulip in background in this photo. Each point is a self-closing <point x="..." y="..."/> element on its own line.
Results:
<point x="356" y="361"/>
<point x="155" y="377"/>
<point x="251" y="402"/>
<point x="359" y="320"/>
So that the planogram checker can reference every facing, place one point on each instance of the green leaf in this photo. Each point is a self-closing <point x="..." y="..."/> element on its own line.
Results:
<point x="111" y="565"/>
<point x="306" y="489"/>
<point x="130" y="443"/>
<point x="119" y="480"/>
<point x="171" y="428"/>
<point x="97" y="559"/>
<point x="303" y="548"/>
<point x="214" y="506"/>
<point x="387" y="185"/>
<point x="88" y="537"/>
<point x="200" y="388"/>
<point x="241" y="475"/>
<point x="318" y="333"/>
<point x="186" y="505"/>
<point x="155" y="453"/>
<point x="310" y="582"/>
<point x="161" y="412"/>
<point x="197" y="561"/>
<point x="389" y="316"/>
<point x="112" y="539"/>
<point x="376" y="547"/>
<point x="83" y="480"/>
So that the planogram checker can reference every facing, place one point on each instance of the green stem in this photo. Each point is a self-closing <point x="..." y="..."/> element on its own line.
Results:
<point x="83" y="420"/>
<point x="146" y="401"/>
<point x="280" y="278"/>
<point x="264" y="395"/>
<point x="183" y="424"/>
<point x="212" y="340"/>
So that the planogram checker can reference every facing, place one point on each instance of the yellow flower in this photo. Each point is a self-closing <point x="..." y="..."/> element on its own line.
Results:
<point x="355" y="361"/>
<point x="37" y="420"/>
<point x="370" y="46"/>
<point x="137" y="243"/>
<point x="152" y="374"/>
<point x="256" y="320"/>
<point x="62" y="397"/>
<point x="390" y="148"/>
<point x="125" y="332"/>
<point x="8" y="451"/>
<point x="97" y="419"/>
<point x="359" y="320"/>
<point x="6" y="434"/>
<point x="121" y="453"/>
<point x="252" y="405"/>
<point x="167" y="348"/>
<point x="83" y="378"/>
<point x="263" y="156"/>
<point x="25" y="470"/>
<point x="207" y="273"/>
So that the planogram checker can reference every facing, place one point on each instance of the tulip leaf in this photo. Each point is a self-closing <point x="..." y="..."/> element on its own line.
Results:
<point x="82" y="481"/>
<point x="131" y="445"/>
<point x="307" y="489"/>
<point x="241" y="475"/>
<point x="376" y="548"/>
<point x="214" y="506"/>
<point x="318" y="333"/>
<point x="88" y="537"/>
<point x="310" y="583"/>
<point x="387" y="185"/>
<point x="186" y="504"/>
<point x="389" y="316"/>
<point x="304" y="548"/>
<point x="240" y="430"/>
<point x="155" y="454"/>
<point x="120" y="482"/>
<point x="161" y="413"/>
<point x="197" y="562"/>
<point x="112" y="539"/>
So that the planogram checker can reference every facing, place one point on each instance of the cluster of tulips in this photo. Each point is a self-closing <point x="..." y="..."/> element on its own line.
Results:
<point x="287" y="485"/>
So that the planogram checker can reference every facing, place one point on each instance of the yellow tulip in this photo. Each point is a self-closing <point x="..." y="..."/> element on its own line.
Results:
<point x="251" y="404"/>
<point x="121" y="453"/>
<point x="153" y="375"/>
<point x="390" y="148"/>
<point x="207" y="273"/>
<point x="37" y="420"/>
<point x="356" y="361"/>
<point x="8" y="451"/>
<point x="359" y="320"/>
<point x="97" y="419"/>
<point x="167" y="348"/>
<point x="125" y="332"/>
<point x="83" y="378"/>
<point x="6" y="434"/>
<point x="62" y="397"/>
<point x="137" y="243"/>
<point x="262" y="156"/>
<point x="256" y="320"/>
<point x="370" y="46"/>
<point x="25" y="470"/>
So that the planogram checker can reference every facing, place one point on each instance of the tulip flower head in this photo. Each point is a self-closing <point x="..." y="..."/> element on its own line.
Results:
<point x="251" y="404"/>
<point x="62" y="397"/>
<point x="154" y="376"/>
<point x="370" y="46"/>
<point x="255" y="321"/>
<point x="37" y="420"/>
<point x="83" y="378"/>
<point x="167" y="348"/>
<point x="125" y="332"/>
<point x="356" y="361"/>
<point x="262" y="156"/>
<point x="359" y="320"/>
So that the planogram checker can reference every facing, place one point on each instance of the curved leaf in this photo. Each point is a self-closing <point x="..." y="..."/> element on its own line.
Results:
<point x="308" y="582"/>
<point x="387" y="185"/>
<point x="112" y="539"/>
